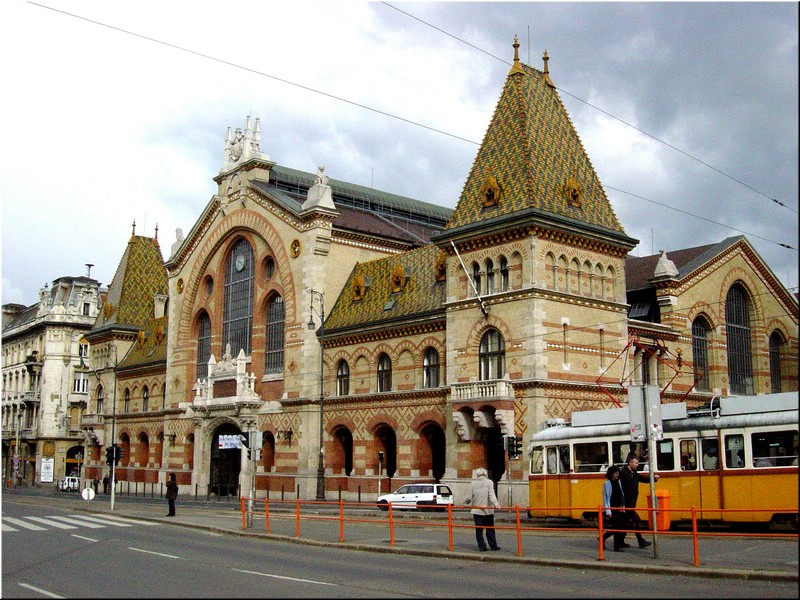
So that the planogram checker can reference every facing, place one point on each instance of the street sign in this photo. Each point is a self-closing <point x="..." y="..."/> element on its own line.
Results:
<point x="87" y="493"/>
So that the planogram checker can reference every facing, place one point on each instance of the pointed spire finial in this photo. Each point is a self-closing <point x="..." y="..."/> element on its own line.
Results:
<point x="156" y="238"/>
<point x="517" y="67"/>
<point x="133" y="228"/>
<point x="546" y="71"/>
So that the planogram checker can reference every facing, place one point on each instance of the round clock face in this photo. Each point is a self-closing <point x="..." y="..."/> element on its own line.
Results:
<point x="239" y="262"/>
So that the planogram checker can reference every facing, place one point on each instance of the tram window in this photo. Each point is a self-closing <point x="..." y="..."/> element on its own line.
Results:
<point x="688" y="455"/>
<point x="710" y="454"/>
<point x="774" y="448"/>
<point x="537" y="460"/>
<point x="734" y="451"/>
<point x="590" y="457"/>
<point x="552" y="461"/>
<point x="621" y="450"/>
<point x="558" y="459"/>
<point x="665" y="455"/>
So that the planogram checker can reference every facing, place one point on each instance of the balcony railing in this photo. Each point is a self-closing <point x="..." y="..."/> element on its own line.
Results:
<point x="480" y="390"/>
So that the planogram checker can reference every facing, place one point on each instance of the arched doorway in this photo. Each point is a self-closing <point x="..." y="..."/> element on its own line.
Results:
<point x="226" y="461"/>
<point x="495" y="454"/>
<point x="432" y="451"/>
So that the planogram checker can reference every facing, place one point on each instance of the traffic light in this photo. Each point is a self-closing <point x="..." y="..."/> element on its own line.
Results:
<point x="517" y="447"/>
<point x="110" y="455"/>
<point x="511" y="444"/>
<point x="244" y="441"/>
<point x="119" y="452"/>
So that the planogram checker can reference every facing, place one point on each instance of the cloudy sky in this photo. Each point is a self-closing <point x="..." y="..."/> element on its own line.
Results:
<point x="116" y="112"/>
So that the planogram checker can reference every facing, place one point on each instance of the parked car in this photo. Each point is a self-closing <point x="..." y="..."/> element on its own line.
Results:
<point x="418" y="496"/>
<point x="69" y="484"/>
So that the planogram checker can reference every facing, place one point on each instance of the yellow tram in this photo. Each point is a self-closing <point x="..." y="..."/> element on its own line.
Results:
<point x="738" y="454"/>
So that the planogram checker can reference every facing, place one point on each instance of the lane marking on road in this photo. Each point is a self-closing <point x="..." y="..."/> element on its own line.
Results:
<point x="8" y="528"/>
<point x="83" y="537"/>
<point x="151" y="552"/>
<point x="102" y="520"/>
<point x="23" y="524"/>
<point x="57" y="524"/>
<point x="285" y="577"/>
<point x="40" y="590"/>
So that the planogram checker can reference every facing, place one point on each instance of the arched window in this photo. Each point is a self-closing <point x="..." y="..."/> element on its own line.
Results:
<point x="430" y="368"/>
<point x="163" y="396"/>
<point x="489" y="276"/>
<point x="273" y="352"/>
<point x="145" y="399"/>
<point x="504" y="281"/>
<point x="775" y="344"/>
<point x="737" y="326"/>
<point x="492" y="356"/>
<point x="237" y="322"/>
<point x="203" y="346"/>
<point x="100" y="399"/>
<point x="476" y="277"/>
<point x="127" y="405"/>
<point x="700" y="329"/>
<point x="384" y="373"/>
<point x="342" y="378"/>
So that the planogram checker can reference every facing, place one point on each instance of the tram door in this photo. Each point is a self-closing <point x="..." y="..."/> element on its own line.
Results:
<point x="226" y="461"/>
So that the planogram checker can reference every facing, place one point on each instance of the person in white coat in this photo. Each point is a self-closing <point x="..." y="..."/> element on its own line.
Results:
<point x="482" y="498"/>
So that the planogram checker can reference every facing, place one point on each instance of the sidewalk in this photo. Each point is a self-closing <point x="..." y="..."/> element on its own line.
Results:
<point x="722" y="555"/>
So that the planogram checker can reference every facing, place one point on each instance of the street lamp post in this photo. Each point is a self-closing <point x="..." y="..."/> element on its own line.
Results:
<point x="113" y="465"/>
<point x="311" y="326"/>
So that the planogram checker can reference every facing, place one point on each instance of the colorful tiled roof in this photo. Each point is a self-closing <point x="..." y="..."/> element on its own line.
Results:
<point x="534" y="154"/>
<point x="150" y="347"/>
<point x="419" y="294"/>
<point x="139" y="278"/>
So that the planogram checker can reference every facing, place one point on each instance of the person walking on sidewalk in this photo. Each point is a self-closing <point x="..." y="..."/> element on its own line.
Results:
<point x="631" y="478"/>
<point x="613" y="497"/>
<point x="482" y="498"/>
<point x="172" y="493"/>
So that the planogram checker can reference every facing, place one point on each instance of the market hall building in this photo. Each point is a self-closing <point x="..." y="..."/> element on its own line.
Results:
<point x="378" y="336"/>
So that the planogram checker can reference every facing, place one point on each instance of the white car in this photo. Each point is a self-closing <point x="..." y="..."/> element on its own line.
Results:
<point x="419" y="496"/>
<point x="69" y="484"/>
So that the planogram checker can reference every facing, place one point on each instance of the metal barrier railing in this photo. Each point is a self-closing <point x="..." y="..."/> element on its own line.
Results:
<point x="293" y="510"/>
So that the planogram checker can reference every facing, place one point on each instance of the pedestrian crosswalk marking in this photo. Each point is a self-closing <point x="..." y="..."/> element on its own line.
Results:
<point x="51" y="522"/>
<point x="23" y="524"/>
<point x="69" y="522"/>
<point x="127" y="520"/>
<point x="102" y="520"/>
<point x="74" y="521"/>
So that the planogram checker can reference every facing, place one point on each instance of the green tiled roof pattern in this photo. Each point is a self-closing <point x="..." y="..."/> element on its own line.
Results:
<point x="531" y="148"/>
<point x="154" y="348"/>
<point x="421" y="294"/>
<point x="139" y="277"/>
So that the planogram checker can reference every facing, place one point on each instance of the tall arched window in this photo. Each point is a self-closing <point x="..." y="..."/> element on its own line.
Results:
<point x="430" y="368"/>
<point x="145" y="399"/>
<point x="100" y="399"/>
<point x="489" y="276"/>
<point x="737" y="326"/>
<point x="342" y="378"/>
<point x="700" y="329"/>
<point x="775" y="343"/>
<point x="492" y="355"/>
<point x="273" y="352"/>
<point x="384" y="373"/>
<point x="127" y="405"/>
<point x="203" y="346"/>
<point x="237" y="321"/>
<point x="504" y="282"/>
<point x="476" y="277"/>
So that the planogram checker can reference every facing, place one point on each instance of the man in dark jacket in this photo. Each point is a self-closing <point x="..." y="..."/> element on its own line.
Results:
<point x="172" y="493"/>
<point x="630" y="478"/>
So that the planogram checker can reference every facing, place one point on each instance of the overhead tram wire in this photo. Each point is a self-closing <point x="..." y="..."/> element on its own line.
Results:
<point x="589" y="104"/>
<point x="409" y="121"/>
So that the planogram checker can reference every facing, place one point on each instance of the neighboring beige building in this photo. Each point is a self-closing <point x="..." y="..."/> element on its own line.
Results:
<point x="46" y="382"/>
<point x="444" y="330"/>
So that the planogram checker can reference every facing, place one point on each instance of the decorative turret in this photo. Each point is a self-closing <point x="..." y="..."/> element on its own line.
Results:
<point x="243" y="145"/>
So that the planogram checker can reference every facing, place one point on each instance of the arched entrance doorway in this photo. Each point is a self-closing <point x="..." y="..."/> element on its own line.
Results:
<point x="226" y="461"/>
<point x="495" y="454"/>
<point x="432" y="454"/>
